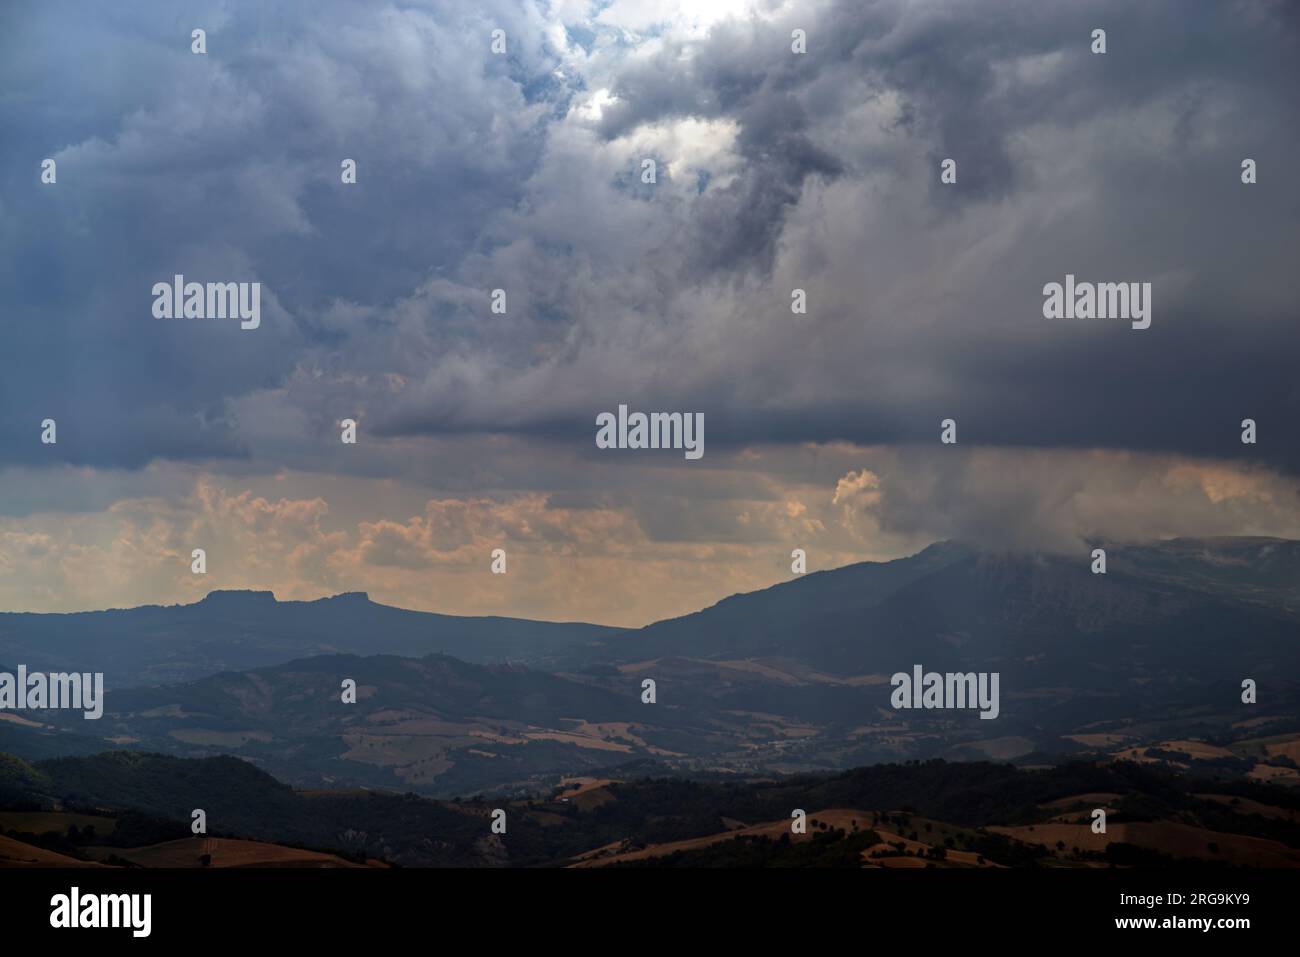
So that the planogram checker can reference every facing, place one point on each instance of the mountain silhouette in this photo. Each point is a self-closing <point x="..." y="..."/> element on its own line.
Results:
<point x="795" y="677"/>
<point x="249" y="629"/>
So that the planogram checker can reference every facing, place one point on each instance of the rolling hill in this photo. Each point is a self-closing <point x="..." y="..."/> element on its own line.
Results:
<point x="792" y="678"/>
<point x="922" y="814"/>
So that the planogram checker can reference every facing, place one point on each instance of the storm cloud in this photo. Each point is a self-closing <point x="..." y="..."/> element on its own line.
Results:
<point x="776" y="171"/>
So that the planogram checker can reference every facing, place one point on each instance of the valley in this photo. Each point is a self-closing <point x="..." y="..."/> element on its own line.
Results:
<point x="1140" y="667"/>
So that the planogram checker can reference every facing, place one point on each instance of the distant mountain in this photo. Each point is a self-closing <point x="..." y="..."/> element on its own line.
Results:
<point x="1146" y="660"/>
<point x="249" y="629"/>
<point x="1259" y="570"/>
<point x="784" y="620"/>
<point x="1184" y="611"/>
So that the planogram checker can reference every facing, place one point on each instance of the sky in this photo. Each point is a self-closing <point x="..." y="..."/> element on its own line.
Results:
<point x="522" y="171"/>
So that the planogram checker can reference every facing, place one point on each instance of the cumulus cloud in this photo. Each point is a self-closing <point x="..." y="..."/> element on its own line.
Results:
<point x="776" y="171"/>
<point x="639" y="549"/>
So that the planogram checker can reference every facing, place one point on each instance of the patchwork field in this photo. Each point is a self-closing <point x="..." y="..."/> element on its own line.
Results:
<point x="17" y="854"/>
<point x="1168" y="837"/>
<point x="223" y="852"/>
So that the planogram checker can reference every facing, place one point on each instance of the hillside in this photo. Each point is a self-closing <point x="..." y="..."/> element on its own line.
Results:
<point x="1204" y="604"/>
<point x="790" y="679"/>
<point x="248" y="629"/>
<point x="972" y="814"/>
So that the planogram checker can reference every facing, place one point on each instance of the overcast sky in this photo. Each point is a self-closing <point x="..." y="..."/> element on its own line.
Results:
<point x="776" y="170"/>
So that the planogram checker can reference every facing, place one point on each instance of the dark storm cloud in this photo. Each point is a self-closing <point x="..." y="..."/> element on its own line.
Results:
<point x="225" y="167"/>
<point x="741" y="223"/>
<point x="779" y="171"/>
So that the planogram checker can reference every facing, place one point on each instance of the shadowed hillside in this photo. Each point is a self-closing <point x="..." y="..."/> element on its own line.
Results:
<point x="250" y="629"/>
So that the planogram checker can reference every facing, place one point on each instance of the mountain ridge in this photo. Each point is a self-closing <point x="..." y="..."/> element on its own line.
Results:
<point x="232" y="629"/>
<point x="795" y="677"/>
